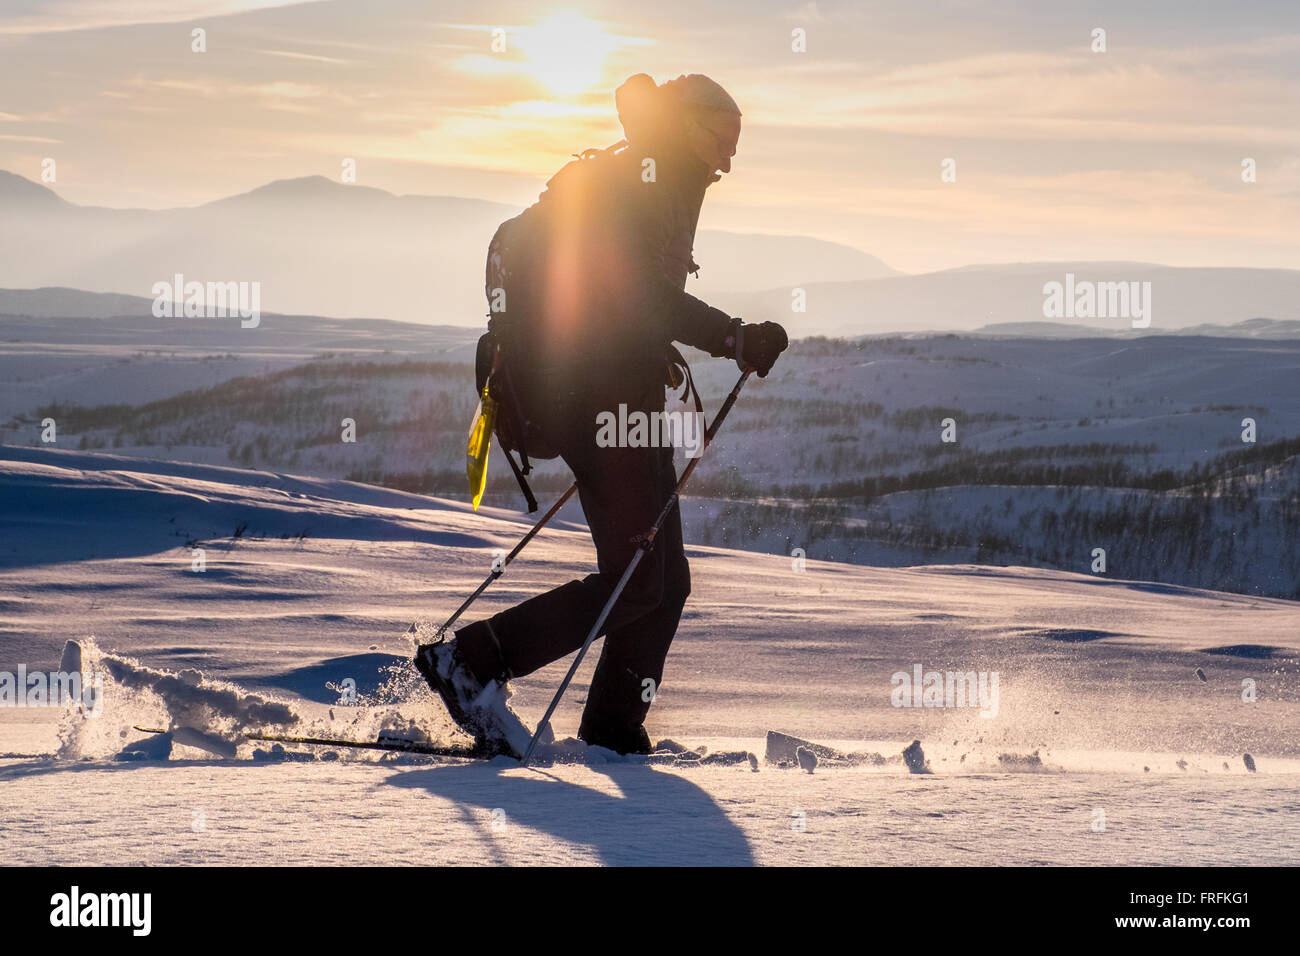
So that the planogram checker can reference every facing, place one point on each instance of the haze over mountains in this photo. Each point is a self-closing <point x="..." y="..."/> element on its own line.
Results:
<point x="73" y="316"/>
<point x="979" y="297"/>
<point x="323" y="248"/>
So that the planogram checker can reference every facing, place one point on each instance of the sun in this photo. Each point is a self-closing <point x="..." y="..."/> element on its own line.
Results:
<point x="566" y="51"/>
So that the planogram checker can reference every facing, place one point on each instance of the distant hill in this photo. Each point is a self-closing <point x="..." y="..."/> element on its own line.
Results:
<point x="55" y="302"/>
<point x="1040" y="330"/>
<point x="59" y="303"/>
<point x="324" y="248"/>
<point x="1249" y="329"/>
<point x="21" y="194"/>
<point x="318" y="247"/>
<point x="977" y="297"/>
<point x="729" y="261"/>
<point x="125" y="325"/>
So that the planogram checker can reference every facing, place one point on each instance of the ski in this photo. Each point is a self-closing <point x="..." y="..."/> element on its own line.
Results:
<point x="395" y="744"/>
<point x="675" y="755"/>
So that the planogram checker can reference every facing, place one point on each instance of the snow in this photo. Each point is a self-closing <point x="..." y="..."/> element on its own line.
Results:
<point x="309" y="605"/>
<point x="803" y="440"/>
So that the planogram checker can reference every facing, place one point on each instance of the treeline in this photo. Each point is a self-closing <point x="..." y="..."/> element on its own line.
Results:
<point x="261" y="397"/>
<point x="763" y="412"/>
<point x="1022" y="466"/>
<point x="1234" y="543"/>
<point x="823" y="346"/>
<point x="1224" y="543"/>
<point x="303" y="406"/>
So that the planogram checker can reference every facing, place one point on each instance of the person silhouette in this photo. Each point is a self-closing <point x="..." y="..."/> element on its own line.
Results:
<point x="594" y="278"/>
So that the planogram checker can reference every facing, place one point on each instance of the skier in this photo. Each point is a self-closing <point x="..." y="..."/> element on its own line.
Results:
<point x="594" y="275"/>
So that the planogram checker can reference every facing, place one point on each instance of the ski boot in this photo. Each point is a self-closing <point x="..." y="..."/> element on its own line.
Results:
<point x="621" y="740"/>
<point x="481" y="710"/>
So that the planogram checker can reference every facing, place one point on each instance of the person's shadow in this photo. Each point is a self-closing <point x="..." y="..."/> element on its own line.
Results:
<point x="660" y="819"/>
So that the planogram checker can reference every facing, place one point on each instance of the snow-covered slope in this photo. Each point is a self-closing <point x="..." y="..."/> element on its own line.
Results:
<point x="1130" y="694"/>
<point x="839" y="452"/>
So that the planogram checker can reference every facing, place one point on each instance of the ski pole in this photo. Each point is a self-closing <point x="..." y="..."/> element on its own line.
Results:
<point x="646" y="544"/>
<point x="497" y="571"/>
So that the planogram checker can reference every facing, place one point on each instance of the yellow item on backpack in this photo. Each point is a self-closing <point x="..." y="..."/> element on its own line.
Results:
<point x="480" y="442"/>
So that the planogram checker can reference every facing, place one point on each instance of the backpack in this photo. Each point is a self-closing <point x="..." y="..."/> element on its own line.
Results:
<point x="502" y="366"/>
<point x="500" y="361"/>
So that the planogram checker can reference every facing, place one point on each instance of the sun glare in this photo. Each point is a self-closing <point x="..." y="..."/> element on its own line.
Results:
<point x="566" y="51"/>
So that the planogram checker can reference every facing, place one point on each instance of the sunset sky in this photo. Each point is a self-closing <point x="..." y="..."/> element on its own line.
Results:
<point x="1061" y="153"/>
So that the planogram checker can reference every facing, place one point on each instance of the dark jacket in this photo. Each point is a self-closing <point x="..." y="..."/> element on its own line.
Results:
<point x="595" y="288"/>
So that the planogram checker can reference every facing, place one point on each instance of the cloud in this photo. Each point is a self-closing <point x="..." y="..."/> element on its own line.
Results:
<point x="27" y="17"/>
<point x="290" y="54"/>
<point x="1169" y="96"/>
<point x="1137" y="148"/>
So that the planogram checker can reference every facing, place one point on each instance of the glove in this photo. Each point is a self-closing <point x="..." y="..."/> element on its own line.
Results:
<point x="757" y="346"/>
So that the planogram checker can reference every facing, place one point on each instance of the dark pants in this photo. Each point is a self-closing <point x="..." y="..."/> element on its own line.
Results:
<point x="622" y="492"/>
